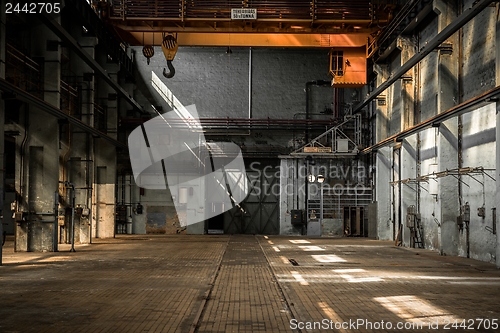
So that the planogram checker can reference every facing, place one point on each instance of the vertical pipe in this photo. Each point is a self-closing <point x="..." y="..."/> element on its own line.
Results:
<point x="56" y="222"/>
<point x="73" y="199"/>
<point x="321" y="205"/>
<point x="249" y="82"/>
<point x="400" y="202"/>
<point x="296" y="181"/>
<point x="306" y="192"/>
<point x="307" y="113"/>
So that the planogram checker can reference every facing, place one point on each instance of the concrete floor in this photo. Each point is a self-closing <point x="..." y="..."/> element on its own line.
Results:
<point x="224" y="283"/>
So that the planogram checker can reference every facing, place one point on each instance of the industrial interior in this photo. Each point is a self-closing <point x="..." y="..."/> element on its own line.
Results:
<point x="341" y="126"/>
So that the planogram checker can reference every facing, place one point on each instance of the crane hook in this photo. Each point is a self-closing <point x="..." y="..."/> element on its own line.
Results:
<point x="171" y="68"/>
<point x="169" y="47"/>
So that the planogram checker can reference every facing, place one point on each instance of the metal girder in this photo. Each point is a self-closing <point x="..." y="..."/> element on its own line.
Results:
<point x="245" y="39"/>
<point x="87" y="58"/>
<point x="22" y="95"/>
<point x="490" y="96"/>
<point x="453" y="27"/>
<point x="279" y="16"/>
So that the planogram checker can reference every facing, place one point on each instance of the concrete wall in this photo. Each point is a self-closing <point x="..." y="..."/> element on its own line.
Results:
<point x="479" y="149"/>
<point x="218" y="84"/>
<point x="463" y="68"/>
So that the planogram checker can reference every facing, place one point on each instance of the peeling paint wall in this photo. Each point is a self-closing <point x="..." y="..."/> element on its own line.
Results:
<point x="460" y="69"/>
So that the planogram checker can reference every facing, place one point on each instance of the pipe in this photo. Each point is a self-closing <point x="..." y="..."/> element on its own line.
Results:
<point x="56" y="222"/>
<point x="73" y="200"/>
<point x="250" y="82"/>
<point x="453" y="27"/>
<point x="23" y="151"/>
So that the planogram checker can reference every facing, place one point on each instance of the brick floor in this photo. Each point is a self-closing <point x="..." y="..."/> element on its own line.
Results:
<point x="245" y="297"/>
<point x="128" y="284"/>
<point x="349" y="279"/>
<point x="184" y="283"/>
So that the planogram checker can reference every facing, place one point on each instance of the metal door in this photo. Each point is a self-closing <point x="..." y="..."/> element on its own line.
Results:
<point x="259" y="212"/>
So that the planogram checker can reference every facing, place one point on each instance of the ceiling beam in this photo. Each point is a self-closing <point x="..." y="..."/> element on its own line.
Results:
<point x="258" y="39"/>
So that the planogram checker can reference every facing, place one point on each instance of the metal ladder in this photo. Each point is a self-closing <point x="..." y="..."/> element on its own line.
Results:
<point x="416" y="235"/>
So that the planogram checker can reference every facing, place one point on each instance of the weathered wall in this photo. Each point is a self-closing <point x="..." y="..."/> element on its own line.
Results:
<point x="461" y="69"/>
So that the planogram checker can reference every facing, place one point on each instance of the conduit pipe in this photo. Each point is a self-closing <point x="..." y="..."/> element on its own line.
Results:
<point x="56" y="222"/>
<point x="249" y="83"/>
<point x="453" y="27"/>
<point x="73" y="200"/>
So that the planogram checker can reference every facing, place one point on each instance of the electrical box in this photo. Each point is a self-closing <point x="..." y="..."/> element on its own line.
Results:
<point x="138" y="209"/>
<point x="411" y="216"/>
<point x="18" y="217"/>
<point x="297" y="217"/>
<point x="410" y="221"/>
<point x="342" y="145"/>
<point x="481" y="212"/>
<point x="466" y="213"/>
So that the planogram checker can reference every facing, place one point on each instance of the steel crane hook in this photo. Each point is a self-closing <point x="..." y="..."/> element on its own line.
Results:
<point x="169" y="47"/>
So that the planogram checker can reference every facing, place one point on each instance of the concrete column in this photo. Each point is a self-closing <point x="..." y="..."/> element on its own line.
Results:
<point x="381" y="126"/>
<point x="383" y="171"/>
<point x="383" y="162"/>
<point x="2" y="120"/>
<point x="409" y="145"/>
<point x="409" y="190"/>
<point x="41" y="153"/>
<point x="105" y="155"/>
<point x="448" y="132"/>
<point x="497" y="172"/>
<point x="80" y="164"/>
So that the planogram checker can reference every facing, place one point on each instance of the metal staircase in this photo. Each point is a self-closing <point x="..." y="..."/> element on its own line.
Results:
<point x="342" y="140"/>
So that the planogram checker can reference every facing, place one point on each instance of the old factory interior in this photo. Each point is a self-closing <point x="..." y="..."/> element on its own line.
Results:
<point x="249" y="165"/>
